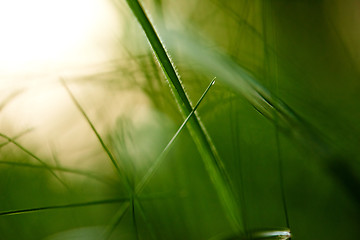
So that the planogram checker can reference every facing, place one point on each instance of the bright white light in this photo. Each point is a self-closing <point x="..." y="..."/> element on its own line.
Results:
<point x="38" y="34"/>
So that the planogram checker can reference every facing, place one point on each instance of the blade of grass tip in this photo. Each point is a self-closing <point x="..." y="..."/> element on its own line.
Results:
<point x="61" y="169"/>
<point x="116" y="220"/>
<point x="163" y="154"/>
<point x="72" y="205"/>
<point x="103" y="145"/>
<point x="206" y="147"/>
<point x="33" y="156"/>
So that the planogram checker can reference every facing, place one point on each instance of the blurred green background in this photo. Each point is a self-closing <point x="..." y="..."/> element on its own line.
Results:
<point x="304" y="52"/>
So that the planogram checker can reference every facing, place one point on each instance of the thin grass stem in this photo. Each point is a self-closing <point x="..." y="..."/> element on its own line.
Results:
<point x="16" y="137"/>
<point x="166" y="150"/>
<point x="13" y="141"/>
<point x="102" y="143"/>
<point x="116" y="220"/>
<point x="149" y="225"/>
<point x="72" y="205"/>
<point x="132" y="203"/>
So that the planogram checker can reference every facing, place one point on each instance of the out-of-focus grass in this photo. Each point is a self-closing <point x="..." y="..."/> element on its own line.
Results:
<point x="282" y="61"/>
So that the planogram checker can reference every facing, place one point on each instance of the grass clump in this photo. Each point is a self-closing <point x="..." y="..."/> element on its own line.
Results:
<point x="259" y="153"/>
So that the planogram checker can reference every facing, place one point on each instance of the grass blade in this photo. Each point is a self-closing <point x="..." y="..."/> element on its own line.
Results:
<point x="16" y="137"/>
<point x="116" y="220"/>
<point x="132" y="204"/>
<point x="207" y="150"/>
<point x="305" y="136"/>
<point x="13" y="141"/>
<point x="103" y="145"/>
<point x="163" y="154"/>
<point x="72" y="205"/>
<point x="147" y="222"/>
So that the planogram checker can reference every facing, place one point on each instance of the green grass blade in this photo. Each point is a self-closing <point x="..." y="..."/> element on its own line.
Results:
<point x="116" y="220"/>
<point x="207" y="150"/>
<point x="72" y="205"/>
<point x="163" y="154"/>
<point x="305" y="136"/>
<point x="242" y="81"/>
<point x="160" y="53"/>
<point x="16" y="137"/>
<point x="103" y="145"/>
<point x="13" y="141"/>
<point x="149" y="225"/>
<point x="132" y="204"/>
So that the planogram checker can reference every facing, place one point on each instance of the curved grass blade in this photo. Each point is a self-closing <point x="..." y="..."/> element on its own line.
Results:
<point x="13" y="141"/>
<point x="72" y="205"/>
<point x="245" y="84"/>
<point x="163" y="154"/>
<point x="207" y="150"/>
<point x="306" y="136"/>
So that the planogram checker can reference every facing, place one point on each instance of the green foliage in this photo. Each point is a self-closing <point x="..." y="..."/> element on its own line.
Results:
<point x="273" y="144"/>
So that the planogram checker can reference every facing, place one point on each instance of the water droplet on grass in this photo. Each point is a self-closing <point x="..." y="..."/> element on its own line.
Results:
<point x="268" y="234"/>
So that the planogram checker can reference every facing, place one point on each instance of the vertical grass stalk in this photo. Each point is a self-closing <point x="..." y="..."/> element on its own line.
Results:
<point x="207" y="150"/>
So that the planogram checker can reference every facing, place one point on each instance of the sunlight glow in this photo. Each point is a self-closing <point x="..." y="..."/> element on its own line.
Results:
<point x="45" y="40"/>
<point x="42" y="34"/>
